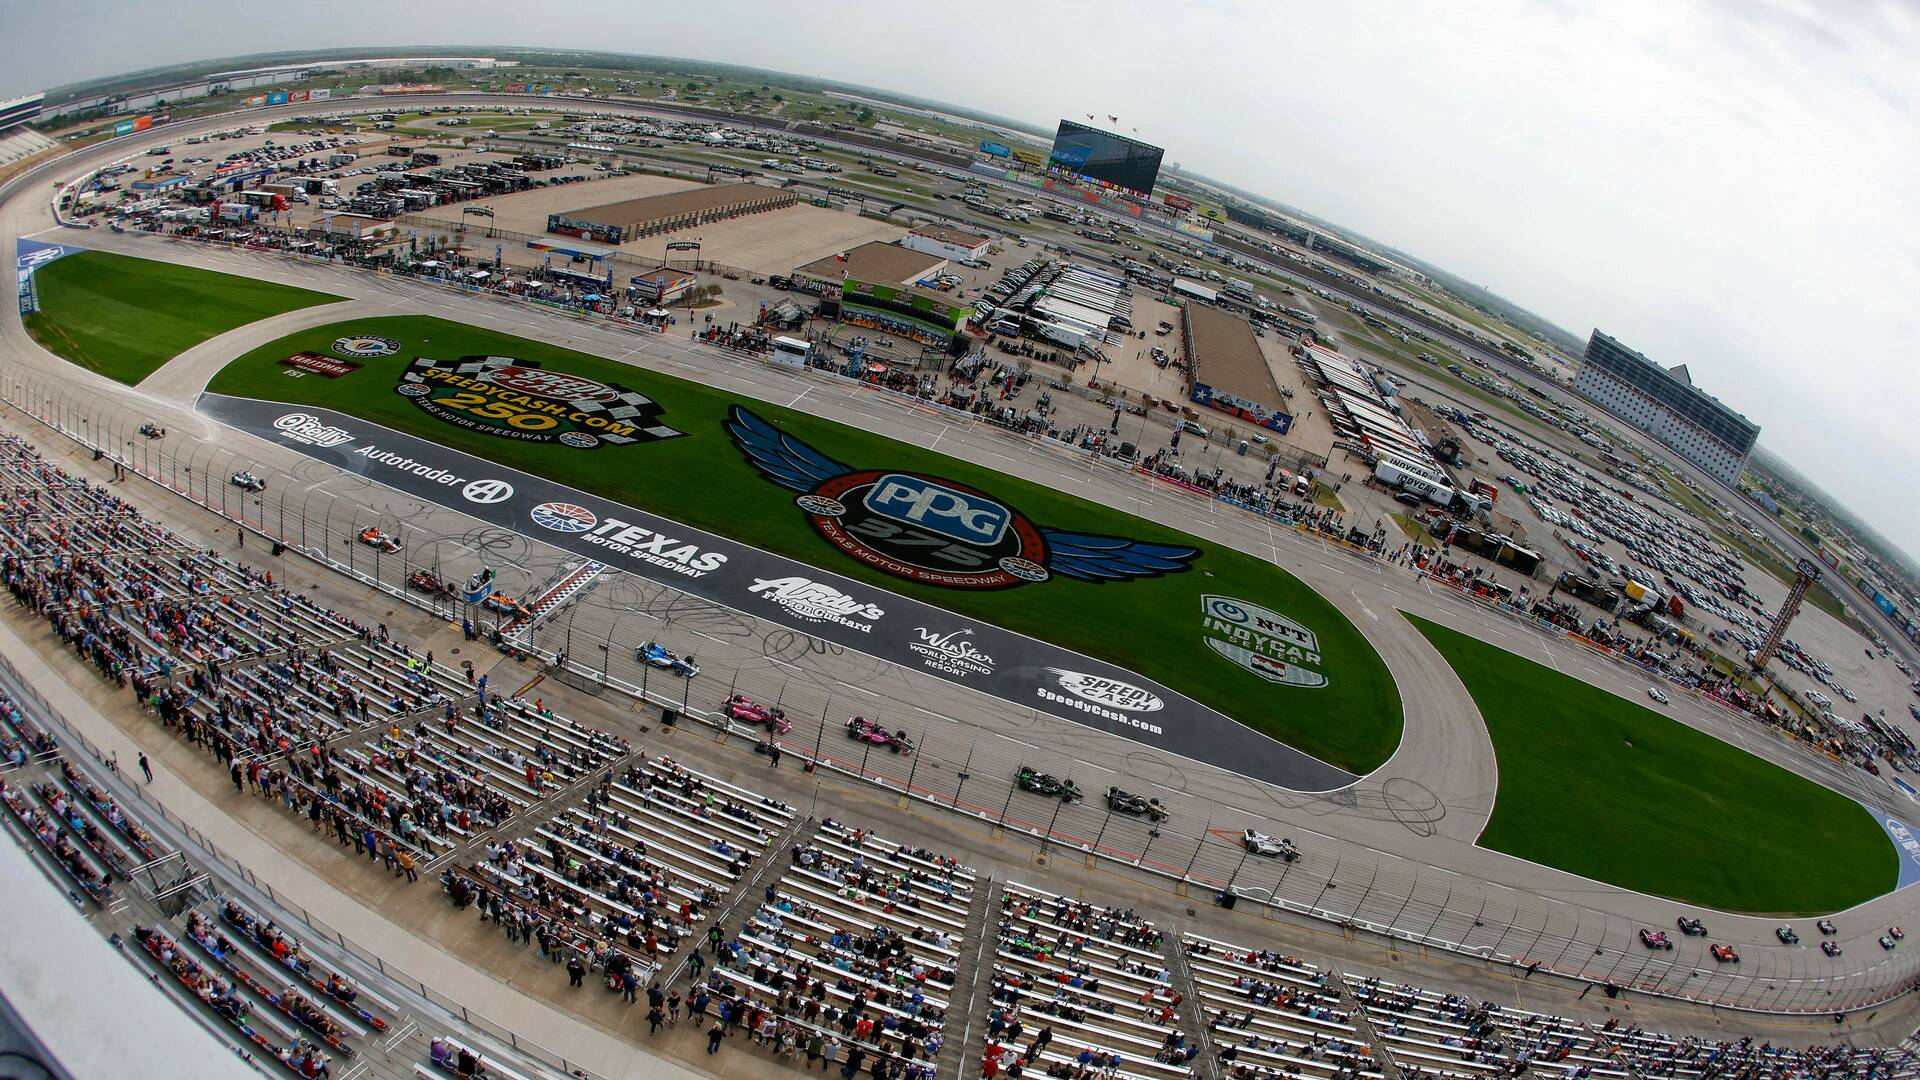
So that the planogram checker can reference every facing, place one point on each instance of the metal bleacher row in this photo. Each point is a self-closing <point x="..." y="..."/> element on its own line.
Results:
<point x="343" y="725"/>
<point x="627" y="876"/>
<point x="858" y="942"/>
<point x="1086" y="988"/>
<point x="1271" y="1015"/>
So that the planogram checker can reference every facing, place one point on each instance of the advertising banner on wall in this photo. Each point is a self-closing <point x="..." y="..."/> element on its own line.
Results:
<point x="278" y="97"/>
<point x="255" y="101"/>
<point x="995" y="149"/>
<point x="1176" y="202"/>
<point x="298" y="95"/>
<point x="319" y="95"/>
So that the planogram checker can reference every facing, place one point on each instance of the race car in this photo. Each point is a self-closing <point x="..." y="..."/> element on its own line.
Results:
<point x="1046" y="784"/>
<point x="247" y="481"/>
<point x="1126" y="802"/>
<point x="1724" y="954"/>
<point x="1896" y="933"/>
<point x="743" y="709"/>
<point x="1787" y="936"/>
<point x="153" y="431"/>
<point x="427" y="582"/>
<point x="1826" y="926"/>
<point x="1272" y="847"/>
<point x="873" y="734"/>
<point x="1830" y="948"/>
<point x="505" y="605"/>
<point x="1655" y="939"/>
<point x="1692" y="927"/>
<point x="654" y="654"/>
<point x="1658" y="695"/>
<point x="374" y="538"/>
<point x="1887" y="941"/>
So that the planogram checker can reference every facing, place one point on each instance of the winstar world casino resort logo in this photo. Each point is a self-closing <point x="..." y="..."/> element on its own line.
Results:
<point x="935" y="531"/>
<point x="517" y="399"/>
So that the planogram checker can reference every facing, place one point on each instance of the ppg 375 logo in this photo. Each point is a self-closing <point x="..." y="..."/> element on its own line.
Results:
<point x="937" y="531"/>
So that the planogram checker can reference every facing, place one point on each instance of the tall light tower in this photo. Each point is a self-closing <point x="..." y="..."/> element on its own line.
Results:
<point x="1809" y="572"/>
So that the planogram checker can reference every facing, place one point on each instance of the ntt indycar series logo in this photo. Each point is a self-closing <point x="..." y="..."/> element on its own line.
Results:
<point x="518" y="399"/>
<point x="937" y="531"/>
<point x="1264" y="642"/>
<point x="951" y="653"/>
<point x="817" y="602"/>
<point x="1109" y="699"/>
<point x="310" y="430"/>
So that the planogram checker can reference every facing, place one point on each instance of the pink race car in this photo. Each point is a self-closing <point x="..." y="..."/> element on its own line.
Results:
<point x="745" y="710"/>
<point x="867" y="731"/>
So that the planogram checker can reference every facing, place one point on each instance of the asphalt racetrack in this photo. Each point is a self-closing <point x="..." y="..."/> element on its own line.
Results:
<point x="1016" y="668"/>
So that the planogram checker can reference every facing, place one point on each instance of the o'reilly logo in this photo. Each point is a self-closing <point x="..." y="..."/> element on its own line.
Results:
<point x="311" y="430"/>
<point x="951" y="653"/>
<point x="816" y="602"/>
<point x="1105" y="691"/>
<point x="365" y="346"/>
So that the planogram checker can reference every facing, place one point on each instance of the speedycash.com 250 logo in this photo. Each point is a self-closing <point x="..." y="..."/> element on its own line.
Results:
<point x="518" y="399"/>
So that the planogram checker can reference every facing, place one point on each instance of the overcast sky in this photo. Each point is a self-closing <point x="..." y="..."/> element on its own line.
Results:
<point x="1731" y="185"/>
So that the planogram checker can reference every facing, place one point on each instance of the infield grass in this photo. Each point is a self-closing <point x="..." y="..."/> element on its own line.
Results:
<point x="124" y="317"/>
<point x="1150" y="625"/>
<point x="1610" y="789"/>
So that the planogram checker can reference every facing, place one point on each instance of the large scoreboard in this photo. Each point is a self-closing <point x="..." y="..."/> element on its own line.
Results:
<point x="1106" y="159"/>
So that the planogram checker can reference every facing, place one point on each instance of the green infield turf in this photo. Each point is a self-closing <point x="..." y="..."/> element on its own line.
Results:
<point x="1609" y="789"/>
<point x="124" y="317"/>
<point x="1152" y="625"/>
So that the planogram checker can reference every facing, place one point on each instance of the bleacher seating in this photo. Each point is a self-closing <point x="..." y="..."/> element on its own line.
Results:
<point x="858" y="941"/>
<point x="628" y="876"/>
<point x="1269" y="1014"/>
<point x="1094" y="980"/>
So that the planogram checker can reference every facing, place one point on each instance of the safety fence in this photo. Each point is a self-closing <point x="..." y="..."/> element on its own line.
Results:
<point x="962" y="765"/>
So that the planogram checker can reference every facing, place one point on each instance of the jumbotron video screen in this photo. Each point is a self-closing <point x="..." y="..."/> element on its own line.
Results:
<point x="1105" y="158"/>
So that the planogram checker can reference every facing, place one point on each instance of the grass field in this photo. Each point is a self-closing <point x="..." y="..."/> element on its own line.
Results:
<point x="1609" y="789"/>
<point x="124" y="317"/>
<point x="1150" y="625"/>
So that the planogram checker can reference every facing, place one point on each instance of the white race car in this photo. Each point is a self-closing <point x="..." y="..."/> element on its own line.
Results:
<point x="1272" y="847"/>
<point x="247" y="481"/>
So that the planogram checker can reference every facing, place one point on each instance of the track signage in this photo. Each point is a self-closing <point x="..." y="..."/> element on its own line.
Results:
<point x="1264" y="642"/>
<point x="331" y="367"/>
<point x="518" y="399"/>
<point x="936" y="531"/>
<point x="801" y="599"/>
<point x="365" y="347"/>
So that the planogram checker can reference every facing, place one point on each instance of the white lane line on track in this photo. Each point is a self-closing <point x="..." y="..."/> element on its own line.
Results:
<point x="935" y="715"/>
<point x="1091" y="765"/>
<point x="861" y="690"/>
<point x="1355" y="593"/>
<point x="1008" y="738"/>
<point x="803" y="394"/>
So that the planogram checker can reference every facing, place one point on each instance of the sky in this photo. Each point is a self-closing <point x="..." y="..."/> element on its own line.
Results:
<point x="1730" y="185"/>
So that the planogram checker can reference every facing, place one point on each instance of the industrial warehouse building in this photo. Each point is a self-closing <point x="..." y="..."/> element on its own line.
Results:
<point x="1229" y="371"/>
<point x="1664" y="403"/>
<point x="621" y="222"/>
<point x="947" y="242"/>
<point x="876" y="262"/>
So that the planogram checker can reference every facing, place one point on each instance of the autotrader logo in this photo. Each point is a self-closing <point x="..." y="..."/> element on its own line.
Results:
<point x="564" y="517"/>
<point x="487" y="492"/>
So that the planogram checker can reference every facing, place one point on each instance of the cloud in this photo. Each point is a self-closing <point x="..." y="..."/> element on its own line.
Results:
<point x="1724" y="184"/>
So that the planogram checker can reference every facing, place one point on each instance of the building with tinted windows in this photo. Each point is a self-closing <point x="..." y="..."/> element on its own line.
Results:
<point x="1664" y="403"/>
